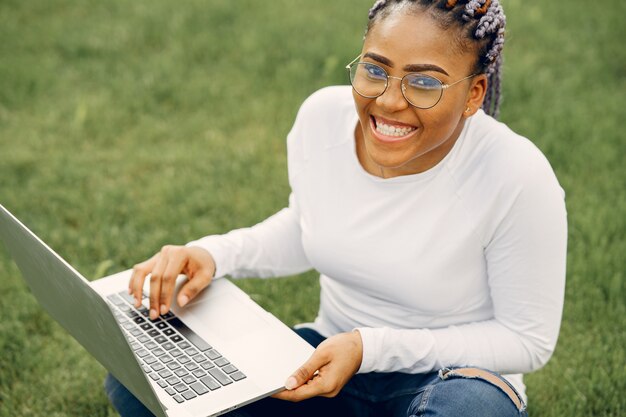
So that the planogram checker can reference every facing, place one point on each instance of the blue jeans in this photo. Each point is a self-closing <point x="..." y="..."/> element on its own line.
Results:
<point x="392" y="394"/>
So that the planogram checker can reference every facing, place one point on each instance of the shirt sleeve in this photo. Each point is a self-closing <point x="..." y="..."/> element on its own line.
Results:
<point x="270" y="248"/>
<point x="526" y="261"/>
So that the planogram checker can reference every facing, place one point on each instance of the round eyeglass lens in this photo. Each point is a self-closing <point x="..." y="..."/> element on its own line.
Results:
<point x="369" y="80"/>
<point x="422" y="90"/>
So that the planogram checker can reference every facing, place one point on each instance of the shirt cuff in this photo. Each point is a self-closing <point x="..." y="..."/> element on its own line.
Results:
<point x="217" y="250"/>
<point x="370" y="353"/>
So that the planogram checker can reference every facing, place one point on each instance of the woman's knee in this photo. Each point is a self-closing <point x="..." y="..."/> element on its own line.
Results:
<point x="455" y="394"/>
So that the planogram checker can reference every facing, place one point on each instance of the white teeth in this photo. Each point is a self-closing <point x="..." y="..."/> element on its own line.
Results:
<point x="389" y="130"/>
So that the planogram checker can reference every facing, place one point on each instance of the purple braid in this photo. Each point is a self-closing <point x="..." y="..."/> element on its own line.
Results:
<point x="380" y="4"/>
<point x="482" y="22"/>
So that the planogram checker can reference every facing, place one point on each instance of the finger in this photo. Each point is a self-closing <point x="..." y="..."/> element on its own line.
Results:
<point x="176" y="262"/>
<point x="306" y="371"/>
<point x="194" y="286"/>
<point x="313" y="388"/>
<point x="135" y="284"/>
<point x="155" y="283"/>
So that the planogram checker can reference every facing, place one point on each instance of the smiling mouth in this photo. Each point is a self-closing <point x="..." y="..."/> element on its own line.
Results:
<point x="387" y="131"/>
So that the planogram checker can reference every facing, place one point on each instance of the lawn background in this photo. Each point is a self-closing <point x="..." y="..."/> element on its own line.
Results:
<point x="126" y="125"/>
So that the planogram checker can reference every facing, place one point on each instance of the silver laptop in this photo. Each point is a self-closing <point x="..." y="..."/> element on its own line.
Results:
<point x="218" y="353"/>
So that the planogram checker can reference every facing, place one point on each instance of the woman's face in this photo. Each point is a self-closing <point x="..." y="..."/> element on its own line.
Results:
<point x="403" y="43"/>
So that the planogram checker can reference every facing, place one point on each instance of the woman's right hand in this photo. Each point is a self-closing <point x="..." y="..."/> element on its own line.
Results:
<point x="163" y="268"/>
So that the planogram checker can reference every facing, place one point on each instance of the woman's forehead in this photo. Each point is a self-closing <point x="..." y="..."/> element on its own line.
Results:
<point x="411" y="38"/>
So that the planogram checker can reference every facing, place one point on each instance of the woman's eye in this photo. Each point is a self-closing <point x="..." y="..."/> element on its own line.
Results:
<point x="423" y="82"/>
<point x="375" y="72"/>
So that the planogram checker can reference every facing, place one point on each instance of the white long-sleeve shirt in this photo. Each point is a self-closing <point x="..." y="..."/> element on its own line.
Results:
<point x="463" y="264"/>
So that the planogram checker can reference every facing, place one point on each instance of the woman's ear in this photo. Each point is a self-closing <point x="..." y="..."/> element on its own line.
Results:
<point x="476" y="94"/>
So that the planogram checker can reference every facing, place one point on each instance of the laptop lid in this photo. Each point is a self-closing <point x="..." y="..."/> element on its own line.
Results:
<point x="67" y="296"/>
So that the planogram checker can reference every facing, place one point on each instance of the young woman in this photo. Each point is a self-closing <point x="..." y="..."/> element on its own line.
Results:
<point x="439" y="233"/>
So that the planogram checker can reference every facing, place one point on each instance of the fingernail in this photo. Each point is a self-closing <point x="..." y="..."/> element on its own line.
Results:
<point x="163" y="309"/>
<point x="291" y="383"/>
<point x="183" y="300"/>
<point x="153" y="314"/>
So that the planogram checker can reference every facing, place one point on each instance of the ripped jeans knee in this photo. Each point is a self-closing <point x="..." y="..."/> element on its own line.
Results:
<point x="468" y="392"/>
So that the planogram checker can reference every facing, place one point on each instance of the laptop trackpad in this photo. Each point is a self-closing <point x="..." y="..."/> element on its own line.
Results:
<point x="226" y="316"/>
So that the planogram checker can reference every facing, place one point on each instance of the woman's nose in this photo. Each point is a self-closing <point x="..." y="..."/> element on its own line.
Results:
<point x="392" y="99"/>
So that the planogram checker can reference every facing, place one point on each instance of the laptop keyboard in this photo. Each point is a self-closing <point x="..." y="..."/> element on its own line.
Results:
<point x="176" y="358"/>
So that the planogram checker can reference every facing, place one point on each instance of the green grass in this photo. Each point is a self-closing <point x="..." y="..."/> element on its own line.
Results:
<point x="125" y="125"/>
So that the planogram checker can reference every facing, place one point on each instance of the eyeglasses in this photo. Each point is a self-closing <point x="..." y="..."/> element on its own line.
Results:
<point x="420" y="90"/>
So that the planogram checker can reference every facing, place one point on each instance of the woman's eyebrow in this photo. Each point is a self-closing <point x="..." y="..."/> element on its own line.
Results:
<point x="407" y="68"/>
<point x="424" y="67"/>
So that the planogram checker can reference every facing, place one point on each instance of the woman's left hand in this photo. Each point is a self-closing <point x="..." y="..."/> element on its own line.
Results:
<point x="330" y="367"/>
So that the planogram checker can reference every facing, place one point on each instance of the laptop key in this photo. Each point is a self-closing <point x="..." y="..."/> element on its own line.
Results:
<point x="188" y="379"/>
<point x="166" y="373"/>
<point x="181" y="387"/>
<point x="178" y="398"/>
<point x="189" y="395"/>
<point x="199" y="373"/>
<point x="150" y="359"/>
<point x="191" y="351"/>
<point x="160" y="339"/>
<point x="175" y="352"/>
<point x="199" y="388"/>
<point x="170" y="390"/>
<point x="157" y="366"/>
<point x="221" y="362"/>
<point x="161" y="325"/>
<point x="191" y="366"/>
<point x="196" y="340"/>
<point x="210" y="383"/>
<point x="167" y="315"/>
<point x="181" y="372"/>
<point x="229" y="369"/>
<point x="199" y="358"/>
<point x="213" y="354"/>
<point x="127" y="297"/>
<point x="115" y="299"/>
<point x="220" y="376"/>
<point x="168" y="345"/>
<point x="238" y="376"/>
<point x="173" y="380"/>
<point x="162" y="383"/>
<point x="132" y="314"/>
<point x="158" y="352"/>
<point x="183" y="345"/>
<point x="207" y="365"/>
<point x="173" y="365"/>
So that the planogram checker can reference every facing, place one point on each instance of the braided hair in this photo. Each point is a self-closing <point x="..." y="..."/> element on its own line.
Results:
<point x="482" y="24"/>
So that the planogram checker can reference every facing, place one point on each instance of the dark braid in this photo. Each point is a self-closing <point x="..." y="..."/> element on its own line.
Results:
<point x="481" y="21"/>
